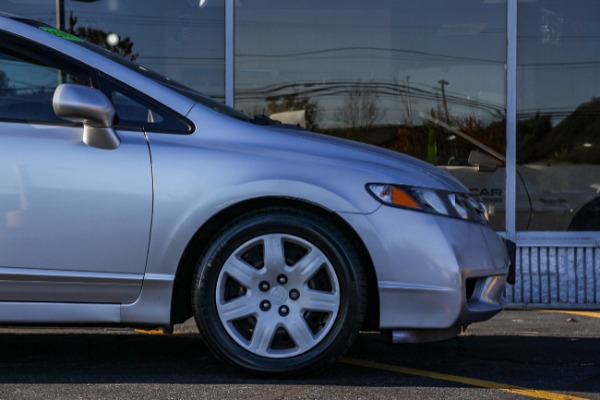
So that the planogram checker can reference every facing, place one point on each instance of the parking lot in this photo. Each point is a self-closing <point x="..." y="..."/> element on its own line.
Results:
<point x="518" y="354"/>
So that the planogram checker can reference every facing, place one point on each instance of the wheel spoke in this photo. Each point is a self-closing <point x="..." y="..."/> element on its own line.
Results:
<point x="273" y="250"/>
<point x="262" y="337"/>
<point x="300" y="333"/>
<point x="235" y="309"/>
<point x="244" y="273"/>
<point x="315" y="300"/>
<point x="310" y="264"/>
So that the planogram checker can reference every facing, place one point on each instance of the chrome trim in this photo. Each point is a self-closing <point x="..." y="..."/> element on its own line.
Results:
<point x="18" y="284"/>
<point x="230" y="53"/>
<point x="511" y="119"/>
<point x="42" y="275"/>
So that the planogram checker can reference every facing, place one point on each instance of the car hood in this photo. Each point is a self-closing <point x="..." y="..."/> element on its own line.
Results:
<point x="403" y="168"/>
<point x="291" y="142"/>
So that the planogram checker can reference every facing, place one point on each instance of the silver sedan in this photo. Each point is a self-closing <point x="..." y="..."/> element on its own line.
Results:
<point x="129" y="199"/>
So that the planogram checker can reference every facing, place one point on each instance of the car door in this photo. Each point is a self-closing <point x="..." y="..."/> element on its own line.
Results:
<point x="74" y="220"/>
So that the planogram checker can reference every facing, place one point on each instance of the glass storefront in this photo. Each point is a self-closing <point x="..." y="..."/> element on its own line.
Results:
<point x="558" y="114"/>
<point x="177" y="38"/>
<point x="427" y="78"/>
<point x="424" y="78"/>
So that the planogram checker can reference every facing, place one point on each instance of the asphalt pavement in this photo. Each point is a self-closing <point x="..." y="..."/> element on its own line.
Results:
<point x="519" y="354"/>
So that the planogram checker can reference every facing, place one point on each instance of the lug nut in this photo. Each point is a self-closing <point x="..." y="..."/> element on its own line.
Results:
<point x="265" y="305"/>
<point x="284" y="311"/>
<point x="294" y="294"/>
<point x="264" y="286"/>
<point x="282" y="279"/>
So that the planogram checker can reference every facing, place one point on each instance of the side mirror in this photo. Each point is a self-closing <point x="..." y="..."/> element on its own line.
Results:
<point x="90" y="107"/>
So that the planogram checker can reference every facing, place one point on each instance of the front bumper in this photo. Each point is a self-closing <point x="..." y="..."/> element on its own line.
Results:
<point x="433" y="272"/>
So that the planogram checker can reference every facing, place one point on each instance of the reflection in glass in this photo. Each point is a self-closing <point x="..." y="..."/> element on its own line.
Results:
<point x="558" y="146"/>
<point x="178" y="38"/>
<point x="404" y="75"/>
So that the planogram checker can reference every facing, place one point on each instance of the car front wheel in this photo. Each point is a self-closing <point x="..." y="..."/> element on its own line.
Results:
<point x="279" y="292"/>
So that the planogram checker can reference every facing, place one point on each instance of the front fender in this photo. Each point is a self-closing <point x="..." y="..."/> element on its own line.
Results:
<point x="189" y="191"/>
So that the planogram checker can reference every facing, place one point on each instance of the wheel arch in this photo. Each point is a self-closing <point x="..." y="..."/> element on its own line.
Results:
<point x="181" y="308"/>
<point x="588" y="217"/>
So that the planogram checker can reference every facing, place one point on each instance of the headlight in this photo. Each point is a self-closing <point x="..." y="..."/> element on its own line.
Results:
<point x="440" y="202"/>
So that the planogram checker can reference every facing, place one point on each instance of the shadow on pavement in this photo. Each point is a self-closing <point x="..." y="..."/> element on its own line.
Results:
<point x="544" y="363"/>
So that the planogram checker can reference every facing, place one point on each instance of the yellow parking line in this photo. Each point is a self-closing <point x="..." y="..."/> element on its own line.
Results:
<point x="150" y="331"/>
<point x="592" y="314"/>
<point x="159" y="331"/>
<point x="538" y="394"/>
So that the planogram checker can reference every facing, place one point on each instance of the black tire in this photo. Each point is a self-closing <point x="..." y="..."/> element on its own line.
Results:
<point x="588" y="218"/>
<point x="287" y="277"/>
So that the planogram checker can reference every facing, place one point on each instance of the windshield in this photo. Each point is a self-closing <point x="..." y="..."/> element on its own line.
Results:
<point x="163" y="80"/>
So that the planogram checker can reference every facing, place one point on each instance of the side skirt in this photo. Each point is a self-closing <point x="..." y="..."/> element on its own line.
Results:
<point x="151" y="308"/>
<point x="58" y="313"/>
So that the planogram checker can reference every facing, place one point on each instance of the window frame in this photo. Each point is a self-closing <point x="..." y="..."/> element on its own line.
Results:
<point x="99" y="80"/>
<point x="29" y="50"/>
<point x="108" y="84"/>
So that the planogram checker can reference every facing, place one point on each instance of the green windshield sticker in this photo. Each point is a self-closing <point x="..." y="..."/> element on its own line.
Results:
<point x="60" y="33"/>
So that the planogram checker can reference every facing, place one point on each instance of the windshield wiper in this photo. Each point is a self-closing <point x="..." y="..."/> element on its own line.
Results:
<point x="264" y="120"/>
